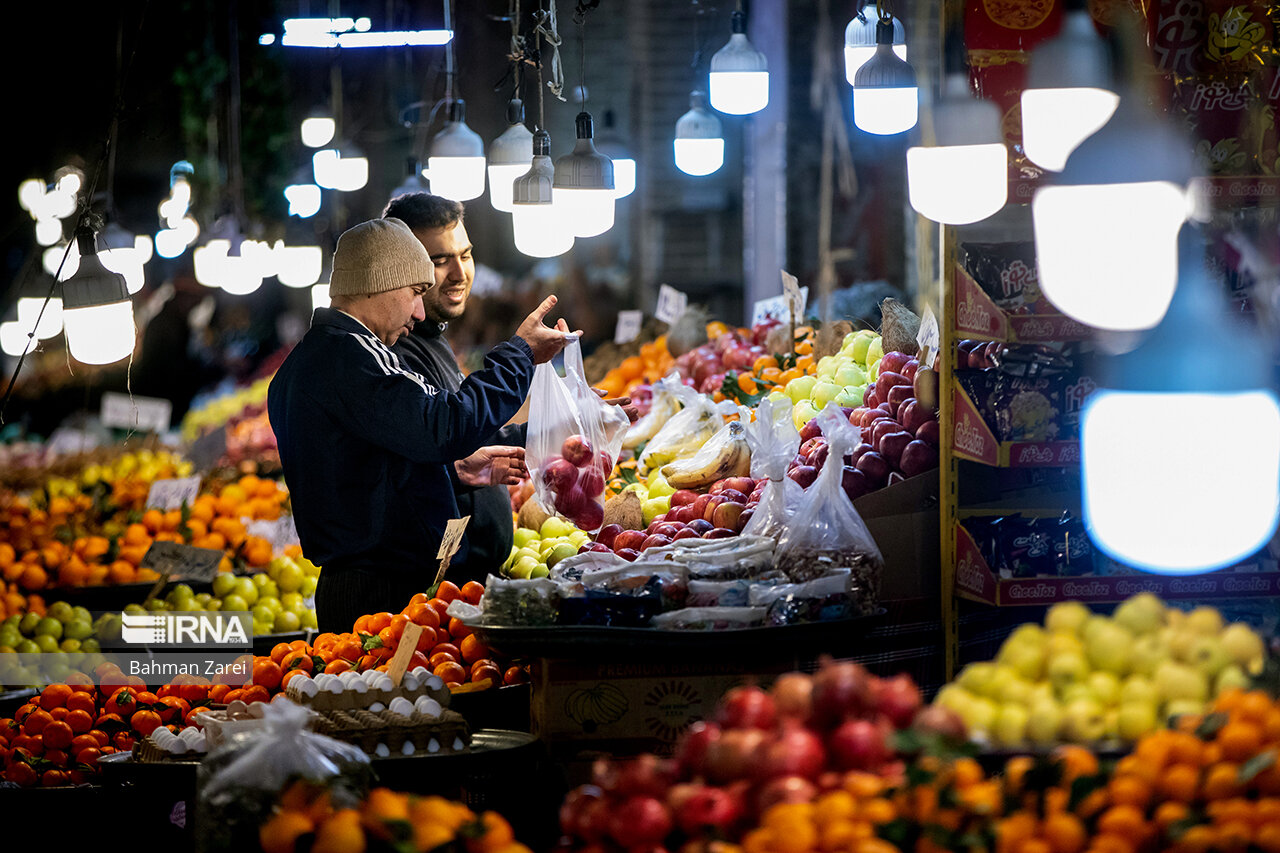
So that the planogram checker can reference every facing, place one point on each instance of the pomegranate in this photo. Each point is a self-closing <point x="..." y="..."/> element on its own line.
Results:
<point x="859" y="745"/>
<point x="898" y="699"/>
<point x="840" y="690"/>
<point x="732" y="755"/>
<point x="709" y="809"/>
<point x="795" y="751"/>
<point x="785" y="789"/>
<point x="645" y="774"/>
<point x="691" y="752"/>
<point x="793" y="695"/>
<point x="747" y="707"/>
<point x="640" y="821"/>
<point x="581" y="813"/>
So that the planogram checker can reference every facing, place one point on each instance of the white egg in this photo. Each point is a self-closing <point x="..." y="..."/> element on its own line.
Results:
<point x="420" y="672"/>
<point x="401" y="706"/>
<point x="349" y="677"/>
<point x="377" y="706"/>
<point x="188" y="735"/>
<point x="358" y="686"/>
<point x="370" y="675"/>
<point x="178" y="747"/>
<point x="308" y="688"/>
<point x="384" y="682"/>
<point x="200" y="744"/>
<point x="382" y="751"/>
<point x="433" y="745"/>
<point x="428" y="706"/>
<point x="458" y="744"/>
<point x="409" y="682"/>
<point x="435" y="682"/>
<point x="408" y="748"/>
<point x="258" y="710"/>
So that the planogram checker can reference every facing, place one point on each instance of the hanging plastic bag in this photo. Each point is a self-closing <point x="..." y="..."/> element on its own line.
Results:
<point x="774" y="441"/>
<point x="686" y="431"/>
<point x="574" y="440"/>
<point x="826" y="532"/>
<point x="240" y="780"/>
<point x="664" y="406"/>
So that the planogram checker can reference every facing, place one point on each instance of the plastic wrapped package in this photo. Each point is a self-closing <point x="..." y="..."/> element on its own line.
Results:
<point x="628" y="596"/>
<point x="827" y="533"/>
<point x="711" y="619"/>
<point x="520" y="601"/>
<point x="662" y="408"/>
<point x="731" y="593"/>
<point x="573" y="442"/>
<point x="821" y="600"/>
<point x="686" y="431"/>
<point x="774" y="442"/>
<point x="240" y="780"/>
<point x="726" y="559"/>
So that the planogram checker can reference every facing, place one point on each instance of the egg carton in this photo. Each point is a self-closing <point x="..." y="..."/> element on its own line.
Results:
<point x="163" y="745"/>
<point x="221" y="724"/>
<point x="385" y="733"/>
<point x="352" y="690"/>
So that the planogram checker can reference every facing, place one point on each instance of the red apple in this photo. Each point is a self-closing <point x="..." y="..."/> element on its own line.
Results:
<point x="930" y="433"/>
<point x="607" y="534"/>
<point x="727" y="515"/>
<point x="628" y="554"/>
<point x="682" y="515"/>
<point x="898" y="394"/>
<point x="912" y="415"/>
<point x="854" y="483"/>
<point x="733" y="496"/>
<point x="883" y="428"/>
<point x="628" y="539"/>
<point x="658" y="521"/>
<point x="668" y="528"/>
<point x="893" y="362"/>
<point x="700" y="506"/>
<point x="818" y="457"/>
<point x="591" y="482"/>
<point x="804" y="475"/>
<point x="739" y="484"/>
<point x="595" y="546"/>
<point x="745" y="517"/>
<point x="605" y="463"/>
<point x="875" y="466"/>
<point x="559" y="474"/>
<point x="680" y="497"/>
<point x="807" y="448"/>
<point x="870" y="398"/>
<point x="909" y="369"/>
<point x="891" y="446"/>
<point x="917" y="457"/>
<point x="812" y="429"/>
<point x="577" y="450"/>
<point x="686" y="533"/>
<point x="590" y="516"/>
<point x="855" y="417"/>
<point x="569" y="501"/>
<point x="657" y="539"/>
<point x="719" y="533"/>
<point x="710" y="508"/>
<point x="887" y="380"/>
<point x="700" y="526"/>
<point x="856" y="454"/>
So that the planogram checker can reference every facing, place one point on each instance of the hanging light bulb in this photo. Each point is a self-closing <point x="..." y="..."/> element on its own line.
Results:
<point x="1158" y="503"/>
<point x="624" y="165"/>
<point x="1106" y="228"/>
<point x="50" y="325"/>
<point x="318" y="130"/>
<point x="304" y="200"/>
<point x="455" y="164"/>
<point x="584" y="184"/>
<point x="97" y="311"/>
<point x="699" y="143"/>
<point x="343" y="169"/>
<point x="964" y="177"/>
<point x="885" y="96"/>
<point x="509" y="156"/>
<point x="739" y="73"/>
<point x="319" y="296"/>
<point x="860" y="43"/>
<point x="540" y="228"/>
<point x="297" y="266"/>
<point x="1069" y="93"/>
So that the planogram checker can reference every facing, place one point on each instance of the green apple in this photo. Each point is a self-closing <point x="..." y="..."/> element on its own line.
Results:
<point x="69" y="645"/>
<point x="202" y="598"/>
<point x="1078" y="690"/>
<point x="873" y="371"/>
<point x="1105" y="687"/>
<point x="78" y="629"/>
<point x="46" y="642"/>
<point x="1205" y="620"/>
<point x="1109" y="646"/>
<point x="234" y="602"/>
<point x="527" y="551"/>
<point x="81" y="613"/>
<point x="1231" y="677"/>
<point x="1147" y="653"/>
<point x="953" y="697"/>
<point x="559" y="552"/>
<point x="540" y="571"/>
<point x="1015" y="691"/>
<point x="1063" y="644"/>
<point x="1066" y="669"/>
<point x="216" y="604"/>
<point x="555" y="526"/>
<point x="1243" y="645"/>
<point x="824" y="392"/>
<point x="89" y="646"/>
<point x="261" y="629"/>
<point x="272" y="603"/>
<point x="1066" y="617"/>
<point x="247" y="589"/>
<point x="1178" y="681"/>
<point x="827" y="366"/>
<point x="850" y="396"/>
<point x="1141" y="614"/>
<point x="801" y="388"/>
<point x="59" y="610"/>
<point x="1139" y="690"/>
<point x="1026" y="658"/>
<point x="875" y="351"/>
<point x="28" y="624"/>
<point x="858" y="344"/>
<point x="263" y="612"/>
<point x="524" y="567"/>
<point x="803" y="412"/>
<point x="976" y="678"/>
<point x="1084" y="721"/>
<point x="50" y="627"/>
<point x="1135" y="719"/>
<point x="269" y="590"/>
<point x="524" y="536"/>
<point x="658" y="487"/>
<point x="289" y="578"/>
<point x="1010" y="725"/>
<point x="10" y="637"/>
<point x="27" y="647"/>
<point x="655" y="507"/>
<point x="579" y="538"/>
<point x="286" y="621"/>
<point x="1207" y="655"/>
<point x="850" y="375"/>
<point x="223" y="584"/>
<point x="979" y="715"/>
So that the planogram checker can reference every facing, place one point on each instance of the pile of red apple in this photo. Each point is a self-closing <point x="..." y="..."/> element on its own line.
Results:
<point x="576" y="477"/>
<point x="900" y="435"/>
<point x="722" y="512"/>
<point x="789" y="743"/>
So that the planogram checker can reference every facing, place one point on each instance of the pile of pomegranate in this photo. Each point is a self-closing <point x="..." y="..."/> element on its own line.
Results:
<point x="788" y="743"/>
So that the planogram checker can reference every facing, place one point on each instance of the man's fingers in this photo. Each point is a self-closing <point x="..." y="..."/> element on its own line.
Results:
<point x="615" y="401"/>
<point x="561" y="325"/>
<point x="545" y="308"/>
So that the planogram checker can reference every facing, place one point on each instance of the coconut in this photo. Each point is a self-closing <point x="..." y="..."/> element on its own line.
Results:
<point x="624" y="510"/>
<point x="899" y="326"/>
<point x="532" y="514"/>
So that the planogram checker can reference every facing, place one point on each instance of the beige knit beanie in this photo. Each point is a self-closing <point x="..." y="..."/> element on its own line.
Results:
<point x="376" y="256"/>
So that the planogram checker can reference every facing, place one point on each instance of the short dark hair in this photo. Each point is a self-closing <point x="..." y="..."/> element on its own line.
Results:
<point x="425" y="211"/>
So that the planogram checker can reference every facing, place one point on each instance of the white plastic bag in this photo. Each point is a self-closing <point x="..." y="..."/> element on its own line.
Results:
<point x="686" y="431"/>
<point x="826" y="532"/>
<point x="774" y="441"/>
<point x="574" y="441"/>
<point x="664" y="406"/>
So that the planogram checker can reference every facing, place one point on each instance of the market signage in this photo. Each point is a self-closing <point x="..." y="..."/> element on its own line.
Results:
<point x="671" y="304"/>
<point x="129" y="411"/>
<point x="628" y="327"/>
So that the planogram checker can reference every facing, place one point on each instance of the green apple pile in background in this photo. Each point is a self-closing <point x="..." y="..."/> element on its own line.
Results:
<point x="1083" y="677"/>
<point x="62" y="628"/>
<point x="841" y="378"/>
<point x="536" y="552"/>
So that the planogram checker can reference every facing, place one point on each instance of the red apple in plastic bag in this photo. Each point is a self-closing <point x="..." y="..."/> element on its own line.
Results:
<point x="577" y="450"/>
<point x="560" y="474"/>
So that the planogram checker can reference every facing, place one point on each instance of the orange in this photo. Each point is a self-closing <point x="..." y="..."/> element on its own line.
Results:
<point x="297" y="660"/>
<point x="472" y="649"/>
<point x="1240" y="740"/>
<point x="1255" y="706"/>
<point x="55" y="696"/>
<point x="1222" y="781"/>
<point x="255" y="693"/>
<point x="1233" y="837"/>
<point x="33" y="578"/>
<point x="472" y="592"/>
<point x="1129" y="790"/>
<point x="448" y="591"/>
<point x="284" y="681"/>
<point x="80" y="721"/>
<point x="57" y="734"/>
<point x="1126" y="822"/>
<point x="421" y="613"/>
<point x="1180" y="783"/>
<point x="378" y="621"/>
<point x="457" y="629"/>
<point x="1077" y="761"/>
<point x="281" y="832"/>
<point x="450" y="672"/>
<point x="1167" y="814"/>
<point x="1197" y="839"/>
<point x="341" y="833"/>
<point x="278" y="651"/>
<point x="267" y="673"/>
<point x="1267" y="838"/>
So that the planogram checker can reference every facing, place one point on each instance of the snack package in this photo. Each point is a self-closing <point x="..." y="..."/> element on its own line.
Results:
<point x="774" y="441"/>
<point x="827" y="533"/>
<point x="240" y="780"/>
<point x="820" y="600"/>
<point x="1007" y="273"/>
<point x="574" y="441"/>
<point x="1072" y="549"/>
<point x="731" y="593"/>
<point x="519" y="601"/>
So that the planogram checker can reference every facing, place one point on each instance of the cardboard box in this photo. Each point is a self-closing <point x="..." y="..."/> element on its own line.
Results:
<point x="903" y="519"/>
<point x="631" y="707"/>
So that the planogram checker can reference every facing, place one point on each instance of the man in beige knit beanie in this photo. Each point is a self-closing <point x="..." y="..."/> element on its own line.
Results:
<point x="365" y="441"/>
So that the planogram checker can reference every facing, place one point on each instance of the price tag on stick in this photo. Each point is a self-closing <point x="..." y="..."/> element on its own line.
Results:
<point x="175" y="561"/>
<point x="791" y="290"/>
<point x="671" y="304"/>
<point x="628" y="327"/>
<point x="172" y="494"/>
<point x="400" y="660"/>
<point x="928" y="337"/>
<point x="133" y="412"/>
<point x="449" y="543"/>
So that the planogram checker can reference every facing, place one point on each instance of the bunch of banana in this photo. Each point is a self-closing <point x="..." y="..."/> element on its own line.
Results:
<point x="681" y="436"/>
<point x="726" y="454"/>
<point x="644" y="429"/>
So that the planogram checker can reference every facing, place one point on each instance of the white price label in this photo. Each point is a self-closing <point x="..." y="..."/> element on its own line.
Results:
<point x="628" y="327"/>
<point x="280" y="533"/>
<point x="928" y="337"/>
<point x="796" y="296"/>
<point x="142" y="413"/>
<point x="172" y="494"/>
<point x="671" y="304"/>
<point x="775" y="307"/>
<point x="450" y="542"/>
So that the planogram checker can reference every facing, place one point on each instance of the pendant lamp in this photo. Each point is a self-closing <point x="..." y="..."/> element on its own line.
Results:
<point x="739" y="73"/>
<point x="455" y="163"/>
<point x="885" y="96"/>
<point x="583" y="183"/>
<point x="860" y="43"/>
<point x="97" y="311"/>
<point x="540" y="229"/>
<point x="509" y="156"/>
<point x="699" y="142"/>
